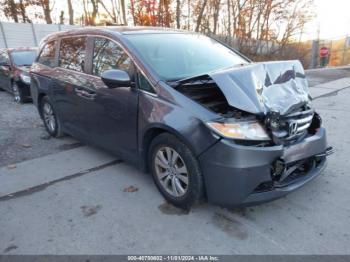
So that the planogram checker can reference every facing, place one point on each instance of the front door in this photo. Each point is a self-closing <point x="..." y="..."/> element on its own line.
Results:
<point x="111" y="113"/>
<point x="5" y="71"/>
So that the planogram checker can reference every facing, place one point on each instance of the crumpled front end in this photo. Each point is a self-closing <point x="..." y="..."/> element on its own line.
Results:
<point x="288" y="146"/>
<point x="238" y="175"/>
<point x="262" y="87"/>
<point x="275" y="93"/>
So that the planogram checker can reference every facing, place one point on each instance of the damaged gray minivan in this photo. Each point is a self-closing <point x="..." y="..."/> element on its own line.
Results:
<point x="203" y="119"/>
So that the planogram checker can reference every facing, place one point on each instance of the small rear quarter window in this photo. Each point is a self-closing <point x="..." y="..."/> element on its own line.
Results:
<point x="47" y="55"/>
<point x="144" y="84"/>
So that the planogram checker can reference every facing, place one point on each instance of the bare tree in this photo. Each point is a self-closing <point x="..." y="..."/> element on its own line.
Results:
<point x="112" y="14"/>
<point x="132" y="10"/>
<point x="188" y="13"/>
<point x="216" y="14"/>
<point x="70" y="12"/>
<point x="89" y="17"/>
<point x="229" y="18"/>
<point x="62" y="17"/>
<point x="122" y="6"/>
<point x="94" y="11"/>
<point x="23" y="11"/>
<point x="10" y="9"/>
<point x="200" y="15"/>
<point x="164" y="14"/>
<point x="178" y="13"/>
<point x="45" y="4"/>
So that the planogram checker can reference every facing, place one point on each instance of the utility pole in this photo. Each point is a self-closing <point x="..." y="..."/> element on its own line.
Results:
<point x="346" y="40"/>
<point x="314" y="50"/>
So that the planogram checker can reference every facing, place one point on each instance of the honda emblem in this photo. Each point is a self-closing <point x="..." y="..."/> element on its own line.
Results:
<point x="293" y="128"/>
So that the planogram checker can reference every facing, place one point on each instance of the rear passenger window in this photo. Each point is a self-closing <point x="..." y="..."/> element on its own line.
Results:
<point x="47" y="55"/>
<point x="72" y="53"/>
<point x="108" y="55"/>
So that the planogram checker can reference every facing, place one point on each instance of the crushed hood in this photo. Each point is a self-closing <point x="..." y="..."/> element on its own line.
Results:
<point x="262" y="87"/>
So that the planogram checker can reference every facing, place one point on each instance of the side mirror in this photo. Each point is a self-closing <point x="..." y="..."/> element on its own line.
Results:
<point x="116" y="78"/>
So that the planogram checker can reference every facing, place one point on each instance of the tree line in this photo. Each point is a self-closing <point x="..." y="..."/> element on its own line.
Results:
<point x="278" y="21"/>
<point x="258" y="19"/>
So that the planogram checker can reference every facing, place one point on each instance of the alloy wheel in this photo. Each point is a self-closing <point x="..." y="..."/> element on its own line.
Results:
<point x="171" y="171"/>
<point x="49" y="117"/>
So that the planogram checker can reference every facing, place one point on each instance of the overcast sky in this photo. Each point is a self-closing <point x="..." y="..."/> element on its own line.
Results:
<point x="333" y="18"/>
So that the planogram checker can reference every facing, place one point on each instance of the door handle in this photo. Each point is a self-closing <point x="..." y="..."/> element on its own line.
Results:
<point x="85" y="93"/>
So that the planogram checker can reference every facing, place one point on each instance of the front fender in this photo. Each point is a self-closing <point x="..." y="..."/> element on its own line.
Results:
<point x="155" y="113"/>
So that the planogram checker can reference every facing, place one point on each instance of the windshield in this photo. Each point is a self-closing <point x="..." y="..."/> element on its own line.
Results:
<point x="21" y="58"/>
<point x="177" y="56"/>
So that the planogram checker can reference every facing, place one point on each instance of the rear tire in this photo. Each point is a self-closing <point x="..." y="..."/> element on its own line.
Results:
<point x="50" y="119"/>
<point x="175" y="171"/>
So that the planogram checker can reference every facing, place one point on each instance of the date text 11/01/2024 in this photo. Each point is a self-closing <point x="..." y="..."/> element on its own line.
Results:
<point x="173" y="258"/>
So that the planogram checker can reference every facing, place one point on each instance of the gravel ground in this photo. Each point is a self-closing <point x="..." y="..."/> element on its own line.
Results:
<point x="22" y="134"/>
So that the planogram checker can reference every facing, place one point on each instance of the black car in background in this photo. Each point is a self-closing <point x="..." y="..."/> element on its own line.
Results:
<point x="206" y="121"/>
<point x="14" y="71"/>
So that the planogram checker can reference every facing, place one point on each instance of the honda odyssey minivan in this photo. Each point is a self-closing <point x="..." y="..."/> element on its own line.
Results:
<point x="203" y="119"/>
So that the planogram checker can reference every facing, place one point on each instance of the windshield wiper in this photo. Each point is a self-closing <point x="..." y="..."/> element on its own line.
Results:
<point x="202" y="76"/>
<point x="25" y="65"/>
<point x="203" y="79"/>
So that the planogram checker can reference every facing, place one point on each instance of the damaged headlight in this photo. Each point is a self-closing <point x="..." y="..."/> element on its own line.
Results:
<point x="245" y="130"/>
<point x="25" y="78"/>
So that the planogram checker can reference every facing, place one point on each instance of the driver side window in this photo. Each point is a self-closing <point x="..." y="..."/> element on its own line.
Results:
<point x="109" y="55"/>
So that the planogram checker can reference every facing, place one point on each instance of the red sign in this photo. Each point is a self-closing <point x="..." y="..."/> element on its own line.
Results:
<point x="324" y="51"/>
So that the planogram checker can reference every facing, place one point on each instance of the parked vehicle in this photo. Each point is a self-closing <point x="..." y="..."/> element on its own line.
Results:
<point x="14" y="71"/>
<point x="206" y="121"/>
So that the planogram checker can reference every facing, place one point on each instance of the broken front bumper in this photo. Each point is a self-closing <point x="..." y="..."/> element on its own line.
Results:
<point x="242" y="175"/>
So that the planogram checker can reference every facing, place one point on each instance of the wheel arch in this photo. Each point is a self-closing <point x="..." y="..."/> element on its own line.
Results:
<point x="41" y="95"/>
<point x="152" y="132"/>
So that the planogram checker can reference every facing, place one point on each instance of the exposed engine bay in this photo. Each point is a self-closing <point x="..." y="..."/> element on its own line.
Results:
<point x="275" y="93"/>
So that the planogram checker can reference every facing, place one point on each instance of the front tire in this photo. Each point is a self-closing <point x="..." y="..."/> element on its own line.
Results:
<point x="49" y="116"/>
<point x="17" y="93"/>
<point x="175" y="171"/>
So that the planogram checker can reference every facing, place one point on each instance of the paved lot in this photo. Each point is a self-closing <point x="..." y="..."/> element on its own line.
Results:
<point x="69" y="199"/>
<point x="319" y="76"/>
